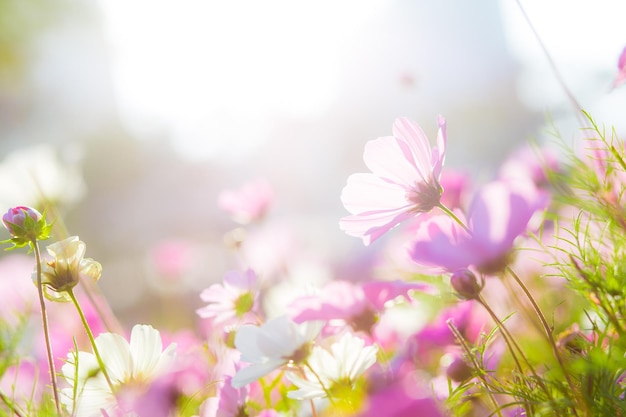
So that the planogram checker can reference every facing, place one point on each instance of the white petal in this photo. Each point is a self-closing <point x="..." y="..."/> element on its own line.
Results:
<point x="245" y="342"/>
<point x="116" y="356"/>
<point x="255" y="371"/>
<point x="145" y="349"/>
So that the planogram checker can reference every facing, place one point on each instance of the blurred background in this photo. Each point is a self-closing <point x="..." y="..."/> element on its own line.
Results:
<point x="132" y="116"/>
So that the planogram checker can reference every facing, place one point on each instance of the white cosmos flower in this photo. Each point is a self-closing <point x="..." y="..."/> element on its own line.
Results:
<point x="332" y="371"/>
<point x="136" y="363"/>
<point x="268" y="347"/>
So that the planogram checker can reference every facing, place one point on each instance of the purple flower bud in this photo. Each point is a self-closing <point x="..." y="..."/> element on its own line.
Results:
<point x="466" y="284"/>
<point x="459" y="370"/>
<point x="15" y="219"/>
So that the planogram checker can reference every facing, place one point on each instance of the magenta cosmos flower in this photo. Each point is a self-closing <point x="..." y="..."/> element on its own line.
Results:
<point x="404" y="181"/>
<point x="499" y="213"/>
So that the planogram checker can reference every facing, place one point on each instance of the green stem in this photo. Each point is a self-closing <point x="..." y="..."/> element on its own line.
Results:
<point x="510" y="341"/>
<point x="477" y="368"/>
<point x="547" y="329"/>
<point x="10" y="405"/>
<point x="46" y="331"/>
<point x="91" y="339"/>
<point x="553" y="66"/>
<point x="454" y="217"/>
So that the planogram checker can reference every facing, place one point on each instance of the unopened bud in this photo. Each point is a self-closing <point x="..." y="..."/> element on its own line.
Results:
<point x="466" y="284"/>
<point x="26" y="225"/>
<point x="459" y="370"/>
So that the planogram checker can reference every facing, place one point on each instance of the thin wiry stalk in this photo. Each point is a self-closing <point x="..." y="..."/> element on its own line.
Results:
<point x="46" y="331"/>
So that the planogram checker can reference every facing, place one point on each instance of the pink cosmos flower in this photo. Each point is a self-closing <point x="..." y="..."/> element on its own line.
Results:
<point x="232" y="300"/>
<point x="499" y="213"/>
<point x="357" y="305"/>
<point x="620" y="78"/>
<point x="404" y="181"/>
<point x="249" y="203"/>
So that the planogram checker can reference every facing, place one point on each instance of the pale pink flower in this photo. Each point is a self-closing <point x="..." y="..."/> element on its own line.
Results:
<point x="404" y="181"/>
<point x="499" y="213"/>
<point x="249" y="203"/>
<point x="620" y="78"/>
<point x="358" y="305"/>
<point x="232" y="300"/>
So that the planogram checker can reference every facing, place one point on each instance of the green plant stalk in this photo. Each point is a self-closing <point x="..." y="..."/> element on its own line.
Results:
<point x="547" y="329"/>
<point x="453" y="216"/>
<point x="510" y="341"/>
<point x="479" y="374"/>
<point x="91" y="339"/>
<point x="10" y="405"/>
<point x="46" y="332"/>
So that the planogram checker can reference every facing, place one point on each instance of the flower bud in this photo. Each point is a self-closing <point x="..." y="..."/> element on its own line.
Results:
<point x="466" y="284"/>
<point x="26" y="225"/>
<point x="459" y="370"/>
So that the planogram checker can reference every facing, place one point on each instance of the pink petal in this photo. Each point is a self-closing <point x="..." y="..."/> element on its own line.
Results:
<point x="367" y="192"/>
<point x="413" y="135"/>
<point x="390" y="159"/>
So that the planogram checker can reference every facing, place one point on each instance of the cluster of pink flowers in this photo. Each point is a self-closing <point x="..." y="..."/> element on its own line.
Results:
<point x="379" y="339"/>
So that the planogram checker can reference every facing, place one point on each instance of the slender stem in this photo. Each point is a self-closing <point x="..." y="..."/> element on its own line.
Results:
<point x="479" y="374"/>
<point x="547" y="329"/>
<point x="553" y="66"/>
<point x="510" y="341"/>
<point x="505" y="333"/>
<point x="454" y="217"/>
<point x="91" y="339"/>
<point x="330" y="398"/>
<point x="313" y="412"/>
<point x="46" y="331"/>
<point x="10" y="405"/>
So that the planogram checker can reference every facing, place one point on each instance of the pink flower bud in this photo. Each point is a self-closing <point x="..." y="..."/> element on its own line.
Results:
<point x="25" y="224"/>
<point x="466" y="284"/>
<point x="15" y="219"/>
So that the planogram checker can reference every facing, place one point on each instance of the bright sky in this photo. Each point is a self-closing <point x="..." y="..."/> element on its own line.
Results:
<point x="216" y="74"/>
<point x="225" y="69"/>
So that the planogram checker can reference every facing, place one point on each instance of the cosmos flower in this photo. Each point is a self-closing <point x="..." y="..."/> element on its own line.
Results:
<point x="128" y="365"/>
<point x="499" y="213"/>
<point x="234" y="299"/>
<point x="404" y="181"/>
<point x="333" y="371"/>
<point x="273" y="344"/>
<point x="66" y="268"/>
<point x="358" y="305"/>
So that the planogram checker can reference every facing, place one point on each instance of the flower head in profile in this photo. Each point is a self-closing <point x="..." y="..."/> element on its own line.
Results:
<point x="277" y="342"/>
<point x="333" y="372"/>
<point x="66" y="268"/>
<point x="404" y="181"/>
<point x="232" y="300"/>
<point x="129" y="366"/>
